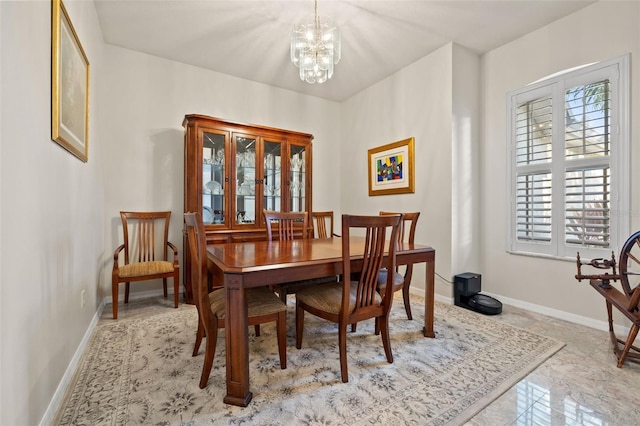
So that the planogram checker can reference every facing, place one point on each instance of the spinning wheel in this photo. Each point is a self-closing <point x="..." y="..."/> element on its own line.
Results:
<point x="626" y="301"/>
<point x="630" y="264"/>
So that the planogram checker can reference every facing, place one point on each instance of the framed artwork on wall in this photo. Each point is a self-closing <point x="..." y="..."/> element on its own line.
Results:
<point x="69" y="85"/>
<point x="391" y="168"/>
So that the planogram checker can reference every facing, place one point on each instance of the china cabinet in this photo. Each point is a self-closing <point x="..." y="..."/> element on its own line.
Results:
<point x="232" y="171"/>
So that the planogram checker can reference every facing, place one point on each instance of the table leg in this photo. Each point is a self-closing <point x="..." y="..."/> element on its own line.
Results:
<point x="429" y="298"/>
<point x="237" y="340"/>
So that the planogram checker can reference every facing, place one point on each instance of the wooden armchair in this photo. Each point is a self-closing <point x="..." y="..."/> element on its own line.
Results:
<point x="350" y="301"/>
<point x="263" y="306"/>
<point x="146" y="254"/>
<point x="626" y="300"/>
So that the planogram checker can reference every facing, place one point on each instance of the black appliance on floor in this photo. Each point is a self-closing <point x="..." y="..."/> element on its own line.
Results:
<point x="466" y="293"/>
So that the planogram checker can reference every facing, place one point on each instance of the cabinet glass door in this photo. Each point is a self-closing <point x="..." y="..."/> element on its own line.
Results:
<point x="298" y="177"/>
<point x="272" y="176"/>
<point x="245" y="208"/>
<point x="213" y="181"/>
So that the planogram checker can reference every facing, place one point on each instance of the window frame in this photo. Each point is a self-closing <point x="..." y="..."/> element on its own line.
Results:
<point x="555" y="86"/>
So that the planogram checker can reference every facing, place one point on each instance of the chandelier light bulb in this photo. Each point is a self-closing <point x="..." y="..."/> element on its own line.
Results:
<point x="315" y="48"/>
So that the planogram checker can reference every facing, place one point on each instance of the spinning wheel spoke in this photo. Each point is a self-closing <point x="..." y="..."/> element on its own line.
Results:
<point x="630" y="264"/>
<point x="632" y="257"/>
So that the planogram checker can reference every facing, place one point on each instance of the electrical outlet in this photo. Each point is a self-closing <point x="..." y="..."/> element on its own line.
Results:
<point x="82" y="299"/>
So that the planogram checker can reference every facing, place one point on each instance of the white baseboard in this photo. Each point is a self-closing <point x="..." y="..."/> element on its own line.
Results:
<point x="56" y="401"/>
<point x="439" y="297"/>
<point x="49" y="415"/>
<point x="562" y="315"/>
<point x="554" y="313"/>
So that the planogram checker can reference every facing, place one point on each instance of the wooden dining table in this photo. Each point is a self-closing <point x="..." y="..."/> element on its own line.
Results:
<point x="239" y="266"/>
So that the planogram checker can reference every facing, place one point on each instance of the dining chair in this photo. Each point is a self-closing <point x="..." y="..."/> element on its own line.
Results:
<point x="262" y="304"/>
<point x="402" y="281"/>
<point x="349" y="301"/>
<point x="322" y="224"/>
<point x="290" y="225"/>
<point x="146" y="250"/>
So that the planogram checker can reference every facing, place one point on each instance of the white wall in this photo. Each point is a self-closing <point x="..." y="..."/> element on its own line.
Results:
<point x="465" y="172"/>
<point x="416" y="101"/>
<point x="599" y="32"/>
<point x="146" y="99"/>
<point x="59" y="216"/>
<point x="51" y="213"/>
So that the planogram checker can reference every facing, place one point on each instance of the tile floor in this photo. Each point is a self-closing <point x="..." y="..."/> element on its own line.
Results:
<point x="579" y="385"/>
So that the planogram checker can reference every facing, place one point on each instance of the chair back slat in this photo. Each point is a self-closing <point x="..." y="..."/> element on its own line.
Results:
<point x="322" y="223"/>
<point x="290" y="224"/>
<point x="376" y="229"/>
<point x="371" y="263"/>
<point x="146" y="237"/>
<point x="142" y="241"/>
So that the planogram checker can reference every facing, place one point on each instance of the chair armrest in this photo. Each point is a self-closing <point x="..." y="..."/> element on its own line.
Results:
<point x="175" y="252"/>
<point x="116" y="254"/>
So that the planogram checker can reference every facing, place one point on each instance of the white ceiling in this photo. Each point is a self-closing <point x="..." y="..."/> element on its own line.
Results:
<point x="250" y="39"/>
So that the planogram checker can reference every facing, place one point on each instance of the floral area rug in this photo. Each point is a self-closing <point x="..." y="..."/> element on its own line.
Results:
<point x="140" y="371"/>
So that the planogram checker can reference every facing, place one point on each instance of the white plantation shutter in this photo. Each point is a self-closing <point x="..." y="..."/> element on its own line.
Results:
<point x="533" y="132"/>
<point x="587" y="120"/>
<point x="534" y="207"/>
<point x="587" y="207"/>
<point x="568" y="170"/>
<point x="588" y="184"/>
<point x="534" y="126"/>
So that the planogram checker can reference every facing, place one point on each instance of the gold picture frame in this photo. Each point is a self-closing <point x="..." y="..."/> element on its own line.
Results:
<point x="69" y="85"/>
<point x="391" y="168"/>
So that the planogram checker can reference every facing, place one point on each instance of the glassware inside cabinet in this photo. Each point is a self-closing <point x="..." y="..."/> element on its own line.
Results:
<point x="297" y="166"/>
<point x="213" y="177"/>
<point x="245" y="208"/>
<point x="272" y="176"/>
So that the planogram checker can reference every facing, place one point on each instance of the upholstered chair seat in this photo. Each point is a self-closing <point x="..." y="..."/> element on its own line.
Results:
<point x="398" y="280"/>
<point x="328" y="297"/>
<point x="145" y="268"/>
<point x="260" y="302"/>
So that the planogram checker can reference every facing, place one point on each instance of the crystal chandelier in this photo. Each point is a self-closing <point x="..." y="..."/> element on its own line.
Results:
<point x="315" y="48"/>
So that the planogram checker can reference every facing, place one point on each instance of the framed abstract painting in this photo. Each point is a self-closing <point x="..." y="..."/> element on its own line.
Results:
<point x="391" y="168"/>
<point x="69" y="85"/>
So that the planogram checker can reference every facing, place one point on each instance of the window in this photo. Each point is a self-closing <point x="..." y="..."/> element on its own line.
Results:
<point x="569" y="151"/>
